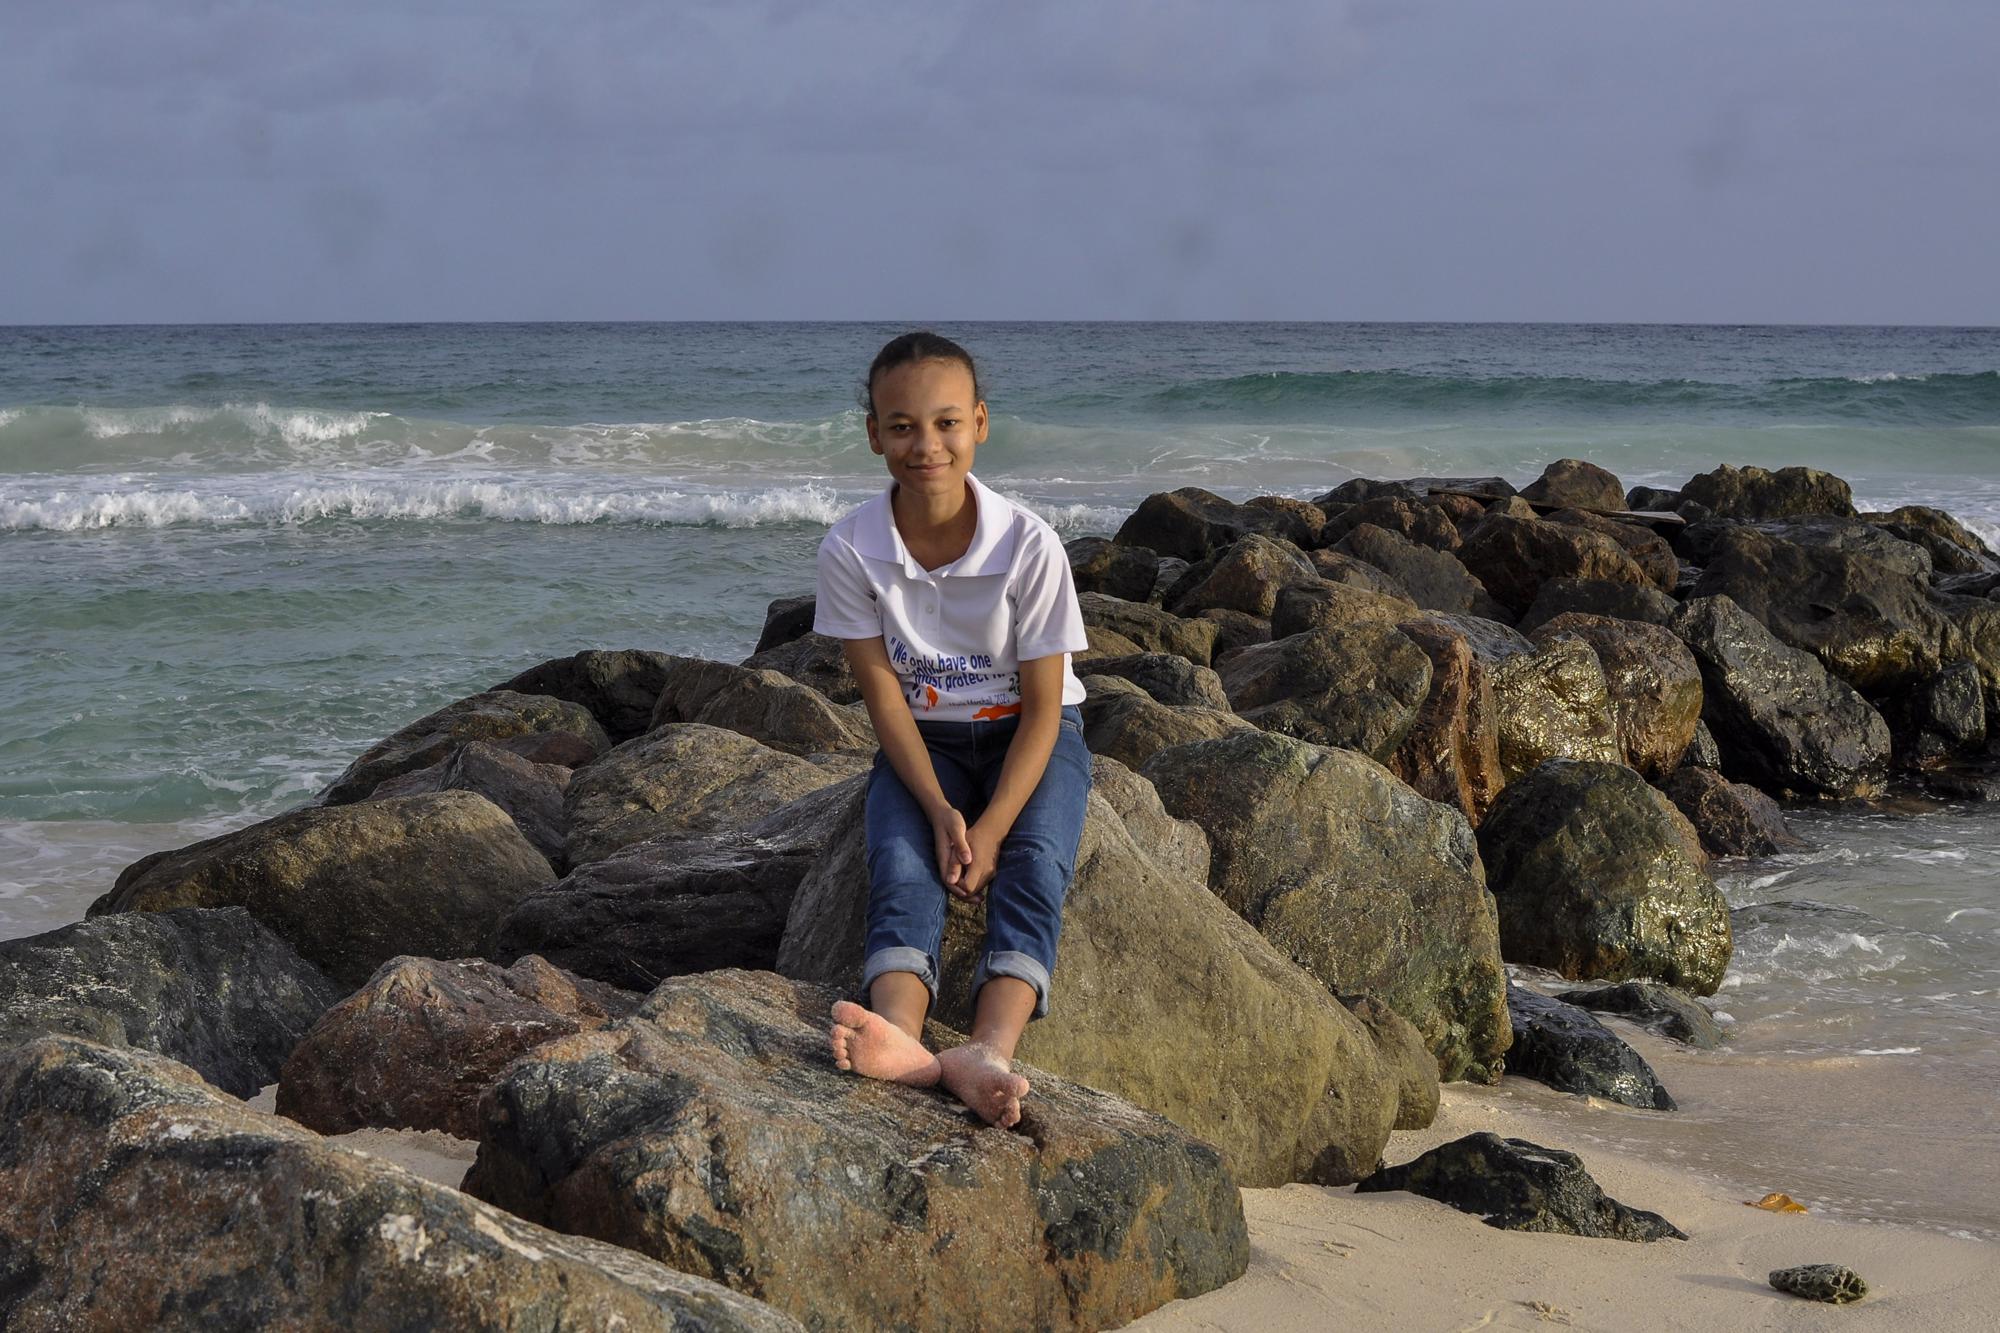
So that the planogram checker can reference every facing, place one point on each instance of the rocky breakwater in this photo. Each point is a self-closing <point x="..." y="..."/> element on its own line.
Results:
<point x="1354" y="754"/>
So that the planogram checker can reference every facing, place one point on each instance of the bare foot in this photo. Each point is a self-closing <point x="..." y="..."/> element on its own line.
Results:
<point x="870" y="1044"/>
<point x="977" y="1076"/>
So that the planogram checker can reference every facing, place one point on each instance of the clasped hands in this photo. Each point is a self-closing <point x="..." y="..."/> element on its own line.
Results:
<point x="967" y="856"/>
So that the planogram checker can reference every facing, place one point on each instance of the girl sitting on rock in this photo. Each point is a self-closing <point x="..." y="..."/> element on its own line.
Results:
<point x="958" y="615"/>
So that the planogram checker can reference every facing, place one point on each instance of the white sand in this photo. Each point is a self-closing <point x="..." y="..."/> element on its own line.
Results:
<point x="424" y="1152"/>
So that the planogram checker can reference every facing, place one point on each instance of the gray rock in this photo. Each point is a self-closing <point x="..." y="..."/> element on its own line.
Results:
<point x="1559" y="1044"/>
<point x="811" y="659"/>
<point x="503" y="717"/>
<point x="1304" y="607"/>
<point x="1175" y="845"/>
<point x="764" y="705"/>
<point x="700" y="1131"/>
<point x="1594" y="879"/>
<point x="1833" y="1283"/>
<point x="1098" y="564"/>
<point x="353" y="886"/>
<point x="210" y="988"/>
<point x="617" y="687"/>
<point x="1403" y="1051"/>
<point x="1597" y="597"/>
<point x="1731" y="818"/>
<point x="530" y="793"/>
<point x="1651" y="681"/>
<point x="1167" y="677"/>
<point x="1664" y="1009"/>
<point x="110" y="1156"/>
<point x="1434" y="578"/>
<point x="786" y="619"/>
<point x="1516" y="1185"/>
<point x="1127" y="724"/>
<point x="1150" y="629"/>
<point x="1366" y="884"/>
<point x="1245" y="576"/>
<point x="1359" y="688"/>
<point x="1574" y="483"/>
<point x="1753" y="492"/>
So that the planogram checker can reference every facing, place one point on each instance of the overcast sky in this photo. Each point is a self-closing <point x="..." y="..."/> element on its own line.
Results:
<point x="1690" y="160"/>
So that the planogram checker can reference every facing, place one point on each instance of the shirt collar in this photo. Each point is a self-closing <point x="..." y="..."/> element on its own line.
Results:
<point x="991" y="551"/>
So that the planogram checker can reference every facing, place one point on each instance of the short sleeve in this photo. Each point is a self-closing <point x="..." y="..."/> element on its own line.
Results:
<point x="844" y="604"/>
<point x="1047" y="618"/>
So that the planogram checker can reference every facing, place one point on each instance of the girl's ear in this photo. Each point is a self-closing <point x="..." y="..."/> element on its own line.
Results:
<point x="874" y="434"/>
<point x="979" y="422"/>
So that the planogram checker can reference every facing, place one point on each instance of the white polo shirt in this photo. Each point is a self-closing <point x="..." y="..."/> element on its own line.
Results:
<point x="958" y="634"/>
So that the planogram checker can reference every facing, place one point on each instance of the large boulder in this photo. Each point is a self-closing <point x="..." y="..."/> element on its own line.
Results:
<point x="1246" y="576"/>
<point x="1783" y="723"/>
<point x="1731" y="818"/>
<point x="1864" y="608"/>
<point x="1594" y="879"/>
<point x="1954" y="548"/>
<point x="1597" y="597"/>
<point x="1513" y="557"/>
<point x="1303" y="607"/>
<point x="1573" y="483"/>
<point x="1359" y="688"/>
<point x="1939" y="717"/>
<point x="1516" y="1185"/>
<point x="1452" y="753"/>
<point x="1339" y="567"/>
<point x="1148" y="628"/>
<point x="209" y="987"/>
<point x="618" y="687"/>
<point x="1754" y="493"/>
<point x="1098" y="564"/>
<point x="1648" y="549"/>
<point x="679" y="903"/>
<point x="1435" y="579"/>
<point x="711" y="1131"/>
<point x="766" y="706"/>
<point x="1124" y="722"/>
<point x="352" y="886"/>
<point x="518" y="722"/>
<point x="133" y="1195"/>
<point x="811" y="659"/>
<point x="530" y="793"/>
<point x="687" y="778"/>
<point x="1404" y="1054"/>
<point x="1192" y="523"/>
<point x="1366" y="884"/>
<point x="1559" y="1044"/>
<point x="1145" y="951"/>
<point x="1424" y="522"/>
<point x="417" y="1046"/>
<point x="1652" y="681"/>
<point x="786" y="619"/>
<point x="1666" y="1010"/>
<point x="1175" y="845"/>
<point x="1553" y="702"/>
<point x="1167" y="677"/>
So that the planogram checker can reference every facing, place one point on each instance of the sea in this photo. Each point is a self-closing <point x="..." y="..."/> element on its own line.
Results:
<point x="231" y="557"/>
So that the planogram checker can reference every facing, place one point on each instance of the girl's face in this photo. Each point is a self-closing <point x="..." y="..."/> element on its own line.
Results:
<point x="927" y="425"/>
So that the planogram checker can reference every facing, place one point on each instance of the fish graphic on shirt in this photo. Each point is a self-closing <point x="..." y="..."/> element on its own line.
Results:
<point x="994" y="712"/>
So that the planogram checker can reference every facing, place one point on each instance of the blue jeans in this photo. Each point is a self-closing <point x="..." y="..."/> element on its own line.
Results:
<point x="1024" y="899"/>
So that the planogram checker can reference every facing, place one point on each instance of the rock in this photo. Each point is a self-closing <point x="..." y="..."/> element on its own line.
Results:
<point x="1420" y="522"/>
<point x="687" y="778"/>
<point x="1554" y="703"/>
<point x="1235" y="629"/>
<point x="1572" y="483"/>
<point x="530" y="793"/>
<point x="1597" y="597"/>
<point x="1310" y="606"/>
<point x="786" y="619"/>
<point x="1098" y="564"/>
<point x="686" y="1131"/>
<point x="1452" y="752"/>
<point x="1403" y="1052"/>
<point x="1941" y="716"/>
<point x="1954" y="548"/>
<point x="1651" y="680"/>
<point x="352" y="886"/>
<point x="1358" y="688"/>
<point x="1864" y="611"/>
<point x="1364" y="883"/>
<point x="1146" y="950"/>
<point x="1652" y="500"/>
<point x="417" y="1045"/>
<point x="1245" y="576"/>
<point x="1511" y="506"/>
<point x="1791" y="727"/>
<point x="1167" y="677"/>
<point x="1667" y="1011"/>
<point x="1175" y="845"/>
<point x="1593" y="880"/>
<point x="1752" y="492"/>
<point x="618" y="688"/>
<point x="108" y="1156"/>
<point x="1732" y="818"/>
<point x="1192" y="524"/>
<point x="763" y="705"/>
<point x="1703" y="752"/>
<point x="1339" y="567"/>
<point x="680" y="903"/>
<point x="1832" y="1283"/>
<point x="503" y="717"/>
<point x="1516" y="1185"/>
<point x="1171" y="569"/>
<point x="1561" y="1045"/>
<point x="210" y="988"/>
<point x="1415" y="488"/>
<point x="1129" y="725"/>
<point x="1297" y="521"/>
<point x="1104" y="645"/>
<point x="1648" y="549"/>
<point x="1514" y="557"/>
<point x="811" y="659"/>
<point x="1435" y="579"/>
<point x="1149" y="629"/>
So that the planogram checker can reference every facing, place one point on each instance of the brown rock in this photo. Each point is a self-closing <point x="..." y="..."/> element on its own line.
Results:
<point x="811" y="659"/>
<point x="1323" y="605"/>
<point x="1339" y="567"/>
<point x="1597" y="597"/>
<point x="1514" y="557"/>
<point x="1245" y="577"/>
<point x="763" y="705"/>
<point x="1648" y="549"/>
<point x="1169" y="678"/>
<point x="617" y="687"/>
<point x="530" y="793"/>
<point x="1452" y="753"/>
<point x="1123" y="721"/>
<point x="1732" y="818"/>
<point x="500" y="716"/>
<point x="1238" y="629"/>
<point x="1754" y="493"/>
<point x="1358" y="688"/>
<point x="1402" y="1049"/>
<point x="1423" y="522"/>
<point x="1147" y="628"/>
<point x="1098" y="564"/>
<point x="1435" y="579"/>
<point x="1652" y="680"/>
<point x="1576" y="484"/>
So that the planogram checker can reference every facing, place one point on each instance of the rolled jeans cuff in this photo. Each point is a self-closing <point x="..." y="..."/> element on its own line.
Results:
<point x="900" y="958"/>
<point x="1020" y="966"/>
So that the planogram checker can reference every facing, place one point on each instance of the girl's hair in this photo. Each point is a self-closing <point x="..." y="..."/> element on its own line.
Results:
<point x="908" y="349"/>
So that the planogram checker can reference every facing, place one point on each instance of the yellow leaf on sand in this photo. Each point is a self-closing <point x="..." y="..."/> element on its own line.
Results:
<point x="1777" y="1203"/>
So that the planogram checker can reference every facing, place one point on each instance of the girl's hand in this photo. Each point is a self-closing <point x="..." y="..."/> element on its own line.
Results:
<point x="954" y="852"/>
<point x="985" y="860"/>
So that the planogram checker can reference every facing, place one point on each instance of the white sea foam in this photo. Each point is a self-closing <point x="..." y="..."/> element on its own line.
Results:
<point x="293" y="426"/>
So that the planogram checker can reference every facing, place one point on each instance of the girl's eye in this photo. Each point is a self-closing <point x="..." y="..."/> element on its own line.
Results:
<point x="948" y="422"/>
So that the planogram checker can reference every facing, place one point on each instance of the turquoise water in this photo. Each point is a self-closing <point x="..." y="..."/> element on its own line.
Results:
<point x="230" y="558"/>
